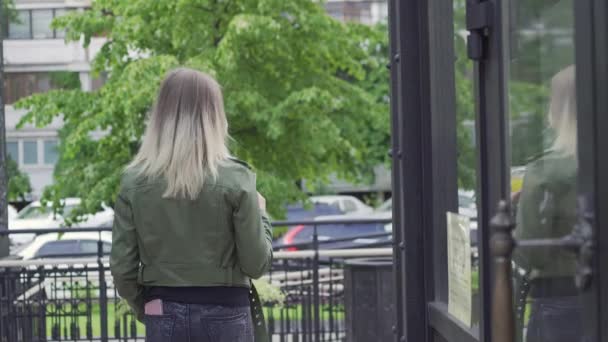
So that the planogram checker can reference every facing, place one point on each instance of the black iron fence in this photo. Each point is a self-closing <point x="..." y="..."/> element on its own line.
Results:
<point x="72" y="297"/>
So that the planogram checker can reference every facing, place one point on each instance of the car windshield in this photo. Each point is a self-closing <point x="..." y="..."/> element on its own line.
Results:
<point x="33" y="212"/>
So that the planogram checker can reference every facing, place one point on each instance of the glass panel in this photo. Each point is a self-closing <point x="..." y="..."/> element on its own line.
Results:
<point x="41" y="24"/>
<point x="467" y="169"/>
<point x="50" y="152"/>
<point x="30" y="152"/>
<point x="12" y="150"/>
<point x="22" y="84"/>
<point x="20" y="28"/>
<point x="543" y="130"/>
<point x="58" y="13"/>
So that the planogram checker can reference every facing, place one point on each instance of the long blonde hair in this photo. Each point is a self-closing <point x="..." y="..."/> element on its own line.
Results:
<point x="562" y="111"/>
<point x="185" y="139"/>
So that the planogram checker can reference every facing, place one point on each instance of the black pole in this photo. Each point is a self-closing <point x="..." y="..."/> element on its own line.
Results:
<point x="103" y="294"/>
<point x="4" y="245"/>
<point x="315" y="284"/>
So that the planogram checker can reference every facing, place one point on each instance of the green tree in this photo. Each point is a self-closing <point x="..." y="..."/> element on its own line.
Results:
<point x="289" y="75"/>
<point x="18" y="182"/>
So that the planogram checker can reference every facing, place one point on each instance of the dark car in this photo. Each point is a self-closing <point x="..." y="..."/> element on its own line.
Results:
<point x="299" y="212"/>
<point x="354" y="235"/>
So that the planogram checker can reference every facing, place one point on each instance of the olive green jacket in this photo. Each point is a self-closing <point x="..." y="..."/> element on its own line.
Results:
<point x="547" y="209"/>
<point x="220" y="239"/>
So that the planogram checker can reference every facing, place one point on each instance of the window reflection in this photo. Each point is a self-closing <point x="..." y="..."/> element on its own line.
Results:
<point x="544" y="168"/>
<point x="20" y="27"/>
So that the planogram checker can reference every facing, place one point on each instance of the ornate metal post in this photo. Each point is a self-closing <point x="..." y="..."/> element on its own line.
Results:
<point x="502" y="244"/>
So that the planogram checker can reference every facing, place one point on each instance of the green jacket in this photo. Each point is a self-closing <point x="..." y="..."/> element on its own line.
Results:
<point x="547" y="209"/>
<point x="220" y="239"/>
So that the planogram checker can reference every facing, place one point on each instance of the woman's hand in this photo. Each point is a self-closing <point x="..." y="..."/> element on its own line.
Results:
<point x="261" y="202"/>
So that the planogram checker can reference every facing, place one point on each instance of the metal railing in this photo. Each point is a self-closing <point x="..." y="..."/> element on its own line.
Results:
<point x="73" y="298"/>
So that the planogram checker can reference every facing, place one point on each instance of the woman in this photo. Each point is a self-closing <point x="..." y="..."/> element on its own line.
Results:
<point x="190" y="229"/>
<point x="547" y="209"/>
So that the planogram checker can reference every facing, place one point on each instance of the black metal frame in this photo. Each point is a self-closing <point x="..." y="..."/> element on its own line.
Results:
<point x="4" y="243"/>
<point x="396" y="155"/>
<point x="424" y="163"/>
<point x="591" y="30"/>
<point x="493" y="155"/>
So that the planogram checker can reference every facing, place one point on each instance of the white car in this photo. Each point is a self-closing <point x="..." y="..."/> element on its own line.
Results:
<point x="466" y="205"/>
<point x="347" y="204"/>
<point x="68" y="245"/>
<point x="12" y="212"/>
<point x="35" y="216"/>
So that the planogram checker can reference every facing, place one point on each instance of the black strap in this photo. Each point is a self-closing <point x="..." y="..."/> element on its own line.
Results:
<point x="257" y="314"/>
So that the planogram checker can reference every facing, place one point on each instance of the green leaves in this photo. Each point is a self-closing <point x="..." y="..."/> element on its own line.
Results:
<point x="293" y="81"/>
<point x="18" y="182"/>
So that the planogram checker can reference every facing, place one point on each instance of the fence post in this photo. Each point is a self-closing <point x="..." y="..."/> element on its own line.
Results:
<point x="103" y="293"/>
<point x="315" y="286"/>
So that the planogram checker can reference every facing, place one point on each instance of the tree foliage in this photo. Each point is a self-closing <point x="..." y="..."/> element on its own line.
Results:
<point x="19" y="186"/>
<point x="289" y="72"/>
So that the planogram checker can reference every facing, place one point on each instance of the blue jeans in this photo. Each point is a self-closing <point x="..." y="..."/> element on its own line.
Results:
<point x="200" y="323"/>
<point x="556" y="319"/>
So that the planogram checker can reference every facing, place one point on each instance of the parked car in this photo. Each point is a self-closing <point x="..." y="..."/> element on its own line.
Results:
<point x="37" y="216"/>
<point x="300" y="212"/>
<point x="347" y="204"/>
<point x="466" y="204"/>
<point x="12" y="212"/>
<point x="359" y="232"/>
<point x="68" y="245"/>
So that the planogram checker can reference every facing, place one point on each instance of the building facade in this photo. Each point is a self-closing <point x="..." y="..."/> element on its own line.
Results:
<point x="36" y="60"/>
<point x="363" y="11"/>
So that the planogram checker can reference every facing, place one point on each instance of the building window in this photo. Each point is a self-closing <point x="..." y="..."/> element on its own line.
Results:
<point x="22" y="84"/>
<point x="60" y="12"/>
<point x="50" y="152"/>
<point x="36" y="24"/>
<point x="12" y="150"/>
<point x="20" y="28"/>
<point x="41" y="24"/>
<point x="30" y="152"/>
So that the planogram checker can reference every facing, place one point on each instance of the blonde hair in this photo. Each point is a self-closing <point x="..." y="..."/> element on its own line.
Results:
<point x="185" y="139"/>
<point x="562" y="111"/>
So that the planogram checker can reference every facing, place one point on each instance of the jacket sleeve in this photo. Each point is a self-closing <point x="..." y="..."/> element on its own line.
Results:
<point x="253" y="232"/>
<point x="124" y="258"/>
<point x="535" y="216"/>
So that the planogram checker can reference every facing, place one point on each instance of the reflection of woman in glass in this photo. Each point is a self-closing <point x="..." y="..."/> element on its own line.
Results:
<point x="547" y="209"/>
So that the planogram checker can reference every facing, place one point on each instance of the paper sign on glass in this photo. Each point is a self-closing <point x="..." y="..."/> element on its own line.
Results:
<point x="459" y="268"/>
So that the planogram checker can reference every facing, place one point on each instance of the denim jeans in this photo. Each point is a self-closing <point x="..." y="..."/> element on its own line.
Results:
<point x="556" y="319"/>
<point x="200" y="323"/>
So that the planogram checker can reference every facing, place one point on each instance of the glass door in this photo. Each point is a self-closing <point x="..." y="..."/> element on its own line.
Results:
<point x="544" y="171"/>
<point x="548" y="220"/>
